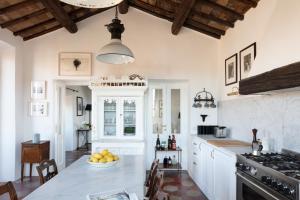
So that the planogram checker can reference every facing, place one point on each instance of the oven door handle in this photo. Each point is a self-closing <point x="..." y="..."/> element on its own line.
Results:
<point x="257" y="186"/>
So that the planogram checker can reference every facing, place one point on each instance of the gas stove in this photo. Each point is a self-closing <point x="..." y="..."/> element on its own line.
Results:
<point x="274" y="176"/>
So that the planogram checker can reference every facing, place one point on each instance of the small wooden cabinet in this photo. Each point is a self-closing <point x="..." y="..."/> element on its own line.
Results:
<point x="33" y="153"/>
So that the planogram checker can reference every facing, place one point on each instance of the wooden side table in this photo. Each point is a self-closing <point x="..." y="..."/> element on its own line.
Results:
<point x="34" y="153"/>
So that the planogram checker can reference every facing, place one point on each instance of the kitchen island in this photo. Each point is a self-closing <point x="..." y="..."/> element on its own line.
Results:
<point x="80" y="179"/>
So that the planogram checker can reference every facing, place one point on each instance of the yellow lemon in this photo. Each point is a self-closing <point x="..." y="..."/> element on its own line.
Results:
<point x="110" y="159"/>
<point x="97" y="155"/>
<point x="116" y="158"/>
<point x="94" y="160"/>
<point x="104" y="152"/>
<point x="102" y="160"/>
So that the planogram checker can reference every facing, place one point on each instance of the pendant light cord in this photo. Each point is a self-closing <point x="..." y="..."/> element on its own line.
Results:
<point x="116" y="12"/>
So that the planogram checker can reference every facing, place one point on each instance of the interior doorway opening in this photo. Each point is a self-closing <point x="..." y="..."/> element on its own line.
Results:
<point x="77" y="122"/>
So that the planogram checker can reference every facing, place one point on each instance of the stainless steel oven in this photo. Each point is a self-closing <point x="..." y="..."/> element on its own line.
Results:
<point x="249" y="188"/>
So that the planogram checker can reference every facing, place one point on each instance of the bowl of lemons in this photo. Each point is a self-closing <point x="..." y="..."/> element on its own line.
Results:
<point x="103" y="159"/>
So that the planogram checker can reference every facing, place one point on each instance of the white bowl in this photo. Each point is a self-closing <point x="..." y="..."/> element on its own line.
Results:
<point x="103" y="165"/>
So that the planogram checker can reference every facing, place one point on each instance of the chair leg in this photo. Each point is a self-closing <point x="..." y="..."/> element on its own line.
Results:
<point x="30" y="170"/>
<point x="22" y="172"/>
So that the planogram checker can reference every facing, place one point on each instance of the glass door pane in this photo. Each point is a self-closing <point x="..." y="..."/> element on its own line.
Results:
<point x="129" y="123"/>
<point x="157" y="111"/>
<point x="175" y="111"/>
<point x="110" y="113"/>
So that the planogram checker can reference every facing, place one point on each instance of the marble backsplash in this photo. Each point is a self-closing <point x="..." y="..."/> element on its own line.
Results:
<point x="277" y="118"/>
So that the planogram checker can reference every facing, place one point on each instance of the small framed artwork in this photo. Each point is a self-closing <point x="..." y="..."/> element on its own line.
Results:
<point x="79" y="103"/>
<point x="231" y="70"/>
<point x="38" y="109"/>
<point x="75" y="64"/>
<point x="247" y="57"/>
<point x="38" y="89"/>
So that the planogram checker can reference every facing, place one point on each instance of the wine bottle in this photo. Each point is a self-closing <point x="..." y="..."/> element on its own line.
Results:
<point x="169" y="162"/>
<point x="169" y="142"/>
<point x="173" y="143"/>
<point x="157" y="142"/>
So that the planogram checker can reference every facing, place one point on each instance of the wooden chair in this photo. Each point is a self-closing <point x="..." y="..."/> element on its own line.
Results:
<point x="152" y="173"/>
<point x="10" y="189"/>
<point x="47" y="165"/>
<point x="155" y="190"/>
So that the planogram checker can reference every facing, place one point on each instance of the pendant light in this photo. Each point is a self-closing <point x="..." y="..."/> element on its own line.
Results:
<point x="93" y="3"/>
<point x="115" y="52"/>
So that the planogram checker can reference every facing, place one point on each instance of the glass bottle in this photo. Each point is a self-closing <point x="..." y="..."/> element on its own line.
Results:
<point x="173" y="143"/>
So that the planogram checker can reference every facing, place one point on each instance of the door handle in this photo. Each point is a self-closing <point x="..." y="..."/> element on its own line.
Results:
<point x="194" y="153"/>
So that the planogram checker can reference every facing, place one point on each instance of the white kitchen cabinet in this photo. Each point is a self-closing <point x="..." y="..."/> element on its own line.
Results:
<point x="213" y="170"/>
<point x="224" y="176"/>
<point x="120" y="117"/>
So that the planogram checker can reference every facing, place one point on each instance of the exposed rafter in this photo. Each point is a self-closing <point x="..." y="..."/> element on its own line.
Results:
<point x="213" y="18"/>
<point x="181" y="15"/>
<point x="205" y="27"/>
<point x="223" y="9"/>
<point x="24" y="18"/>
<point x="251" y="3"/>
<point x="60" y="14"/>
<point x="123" y="7"/>
<point x="17" y="6"/>
<point x="85" y="16"/>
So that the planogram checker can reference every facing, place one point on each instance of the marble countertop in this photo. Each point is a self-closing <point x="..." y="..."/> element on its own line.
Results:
<point x="80" y="179"/>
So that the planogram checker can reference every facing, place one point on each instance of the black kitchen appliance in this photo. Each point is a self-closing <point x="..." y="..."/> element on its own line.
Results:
<point x="206" y="130"/>
<point x="268" y="176"/>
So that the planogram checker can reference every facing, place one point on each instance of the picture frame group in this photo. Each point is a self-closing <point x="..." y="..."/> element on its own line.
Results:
<point x="246" y="59"/>
<point x="38" y="106"/>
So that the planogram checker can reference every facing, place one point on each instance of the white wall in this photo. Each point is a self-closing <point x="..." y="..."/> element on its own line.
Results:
<point x="11" y="105"/>
<point x="274" y="26"/>
<point x="159" y="55"/>
<point x="72" y="121"/>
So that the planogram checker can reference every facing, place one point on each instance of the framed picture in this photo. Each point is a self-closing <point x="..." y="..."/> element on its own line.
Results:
<point x="231" y="70"/>
<point x="38" y="109"/>
<point x="247" y="57"/>
<point x="38" y="89"/>
<point x="79" y="103"/>
<point x="75" y="64"/>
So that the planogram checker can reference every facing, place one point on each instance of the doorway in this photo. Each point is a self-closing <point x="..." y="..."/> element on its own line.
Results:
<point x="72" y="121"/>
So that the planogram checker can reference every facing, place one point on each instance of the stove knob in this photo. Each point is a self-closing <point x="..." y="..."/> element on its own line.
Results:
<point x="279" y="186"/>
<point x="264" y="179"/>
<point x="269" y="180"/>
<point x="287" y="190"/>
<point x="274" y="183"/>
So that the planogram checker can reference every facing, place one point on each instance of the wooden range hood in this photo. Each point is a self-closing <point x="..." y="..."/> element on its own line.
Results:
<point x="280" y="78"/>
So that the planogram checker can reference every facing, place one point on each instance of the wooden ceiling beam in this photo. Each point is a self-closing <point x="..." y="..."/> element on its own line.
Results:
<point x="223" y="9"/>
<point x="251" y="3"/>
<point x="123" y="7"/>
<point x="205" y="27"/>
<point x="83" y="17"/>
<point x="60" y="14"/>
<point x="44" y="23"/>
<point x="181" y="15"/>
<point x="16" y="6"/>
<point x="156" y="11"/>
<point x="24" y="18"/>
<point x="202" y="31"/>
<point x="214" y="18"/>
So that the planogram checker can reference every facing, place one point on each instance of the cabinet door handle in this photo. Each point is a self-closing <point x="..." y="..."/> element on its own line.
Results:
<point x="194" y="143"/>
<point x="194" y="153"/>
<point x="199" y="147"/>
<point x="212" y="154"/>
<point x="194" y="163"/>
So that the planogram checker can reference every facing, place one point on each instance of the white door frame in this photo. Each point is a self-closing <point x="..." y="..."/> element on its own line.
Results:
<point x="59" y="87"/>
<point x="184" y="99"/>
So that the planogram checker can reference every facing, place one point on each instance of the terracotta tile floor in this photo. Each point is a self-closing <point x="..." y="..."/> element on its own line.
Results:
<point x="180" y="187"/>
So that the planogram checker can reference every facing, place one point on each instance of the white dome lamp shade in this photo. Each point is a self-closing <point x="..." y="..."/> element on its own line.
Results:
<point x="115" y="52"/>
<point x="93" y="3"/>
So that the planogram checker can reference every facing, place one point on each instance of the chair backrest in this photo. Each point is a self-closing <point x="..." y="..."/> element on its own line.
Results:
<point x="155" y="188"/>
<point x="153" y="172"/>
<point x="46" y="166"/>
<point x="9" y="188"/>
